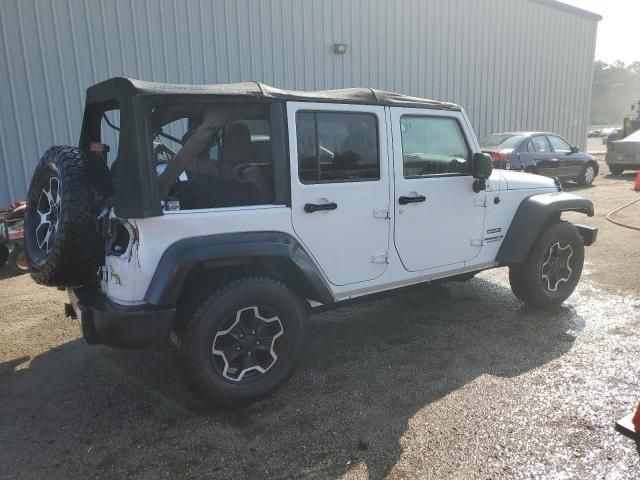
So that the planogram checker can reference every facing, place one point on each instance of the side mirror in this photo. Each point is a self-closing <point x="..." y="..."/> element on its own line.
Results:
<point x="481" y="168"/>
<point x="575" y="149"/>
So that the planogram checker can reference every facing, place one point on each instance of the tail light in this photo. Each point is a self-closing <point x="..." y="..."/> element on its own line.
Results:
<point x="610" y="147"/>
<point x="120" y="235"/>
<point x="500" y="159"/>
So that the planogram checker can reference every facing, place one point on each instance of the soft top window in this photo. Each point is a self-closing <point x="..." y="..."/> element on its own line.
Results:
<point x="213" y="155"/>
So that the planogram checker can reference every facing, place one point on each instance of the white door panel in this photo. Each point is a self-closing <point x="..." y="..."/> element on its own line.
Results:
<point x="350" y="240"/>
<point x="438" y="218"/>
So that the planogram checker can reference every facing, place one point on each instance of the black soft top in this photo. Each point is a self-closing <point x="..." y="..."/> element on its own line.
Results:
<point x="122" y="88"/>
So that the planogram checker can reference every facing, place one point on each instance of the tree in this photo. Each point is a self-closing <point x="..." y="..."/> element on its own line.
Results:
<point x="616" y="87"/>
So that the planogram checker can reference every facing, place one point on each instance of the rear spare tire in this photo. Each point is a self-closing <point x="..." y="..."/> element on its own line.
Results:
<point x="62" y="243"/>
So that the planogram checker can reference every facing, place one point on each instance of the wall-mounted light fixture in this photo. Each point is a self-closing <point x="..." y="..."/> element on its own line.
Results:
<point x="340" y="48"/>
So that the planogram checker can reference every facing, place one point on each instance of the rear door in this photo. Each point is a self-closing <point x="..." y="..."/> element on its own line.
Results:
<point x="439" y="219"/>
<point x="340" y="187"/>
<point x="544" y="157"/>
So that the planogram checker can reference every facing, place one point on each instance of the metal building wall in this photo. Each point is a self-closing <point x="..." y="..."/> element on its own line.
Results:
<point x="512" y="64"/>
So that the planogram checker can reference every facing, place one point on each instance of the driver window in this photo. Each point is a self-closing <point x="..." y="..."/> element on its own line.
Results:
<point x="559" y="145"/>
<point x="211" y="156"/>
<point x="433" y="146"/>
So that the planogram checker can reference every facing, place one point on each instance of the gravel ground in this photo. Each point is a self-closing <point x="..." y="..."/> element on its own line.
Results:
<point x="456" y="381"/>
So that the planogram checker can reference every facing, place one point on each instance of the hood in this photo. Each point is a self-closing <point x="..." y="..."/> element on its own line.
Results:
<point x="520" y="180"/>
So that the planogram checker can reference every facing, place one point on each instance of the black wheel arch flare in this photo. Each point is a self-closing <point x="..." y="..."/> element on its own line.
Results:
<point x="530" y="219"/>
<point x="270" y="249"/>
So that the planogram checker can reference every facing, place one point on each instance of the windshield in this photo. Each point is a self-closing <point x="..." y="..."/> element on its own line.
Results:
<point x="501" y="141"/>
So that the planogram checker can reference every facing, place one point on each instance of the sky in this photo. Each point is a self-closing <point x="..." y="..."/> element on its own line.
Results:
<point x="618" y="32"/>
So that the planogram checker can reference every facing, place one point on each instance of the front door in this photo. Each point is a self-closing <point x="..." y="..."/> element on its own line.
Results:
<point x="569" y="164"/>
<point x="340" y="187"/>
<point x="545" y="159"/>
<point x="438" y="217"/>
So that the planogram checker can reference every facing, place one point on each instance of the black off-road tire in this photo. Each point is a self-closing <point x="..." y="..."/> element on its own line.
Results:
<point x="527" y="280"/>
<point x="615" y="170"/>
<point x="585" y="178"/>
<point x="76" y="251"/>
<point x="17" y="261"/>
<point x="216" y="314"/>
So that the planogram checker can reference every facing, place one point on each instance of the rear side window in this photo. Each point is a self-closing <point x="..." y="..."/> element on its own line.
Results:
<point x="530" y="148"/>
<point x="559" y="145"/>
<point x="501" y="141"/>
<point x="540" y="144"/>
<point x="337" y="147"/>
<point x="433" y="146"/>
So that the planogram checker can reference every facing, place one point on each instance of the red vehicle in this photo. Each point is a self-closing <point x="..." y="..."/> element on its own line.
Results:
<point x="12" y="237"/>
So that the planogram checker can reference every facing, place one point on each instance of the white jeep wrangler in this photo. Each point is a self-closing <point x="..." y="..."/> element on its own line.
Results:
<point x="232" y="212"/>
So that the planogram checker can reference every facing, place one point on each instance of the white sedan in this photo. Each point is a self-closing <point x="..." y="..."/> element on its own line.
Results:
<point x="624" y="154"/>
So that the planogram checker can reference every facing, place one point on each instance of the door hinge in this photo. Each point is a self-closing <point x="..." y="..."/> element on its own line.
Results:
<point x="476" y="242"/>
<point x="382" y="258"/>
<point x="381" y="213"/>
<point x="480" y="202"/>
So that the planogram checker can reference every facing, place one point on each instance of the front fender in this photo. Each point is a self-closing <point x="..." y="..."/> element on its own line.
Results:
<point x="532" y="216"/>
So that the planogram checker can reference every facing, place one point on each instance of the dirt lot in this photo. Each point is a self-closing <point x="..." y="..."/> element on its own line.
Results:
<point x="455" y="381"/>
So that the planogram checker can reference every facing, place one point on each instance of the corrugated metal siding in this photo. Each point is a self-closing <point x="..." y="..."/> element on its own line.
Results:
<point x="511" y="64"/>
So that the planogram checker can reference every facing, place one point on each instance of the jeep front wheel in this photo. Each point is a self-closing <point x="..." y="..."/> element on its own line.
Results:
<point x="244" y="340"/>
<point x="551" y="272"/>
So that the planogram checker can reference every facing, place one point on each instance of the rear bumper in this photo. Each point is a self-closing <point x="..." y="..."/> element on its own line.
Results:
<point x="589" y="234"/>
<point x="105" y="322"/>
<point x="628" y="161"/>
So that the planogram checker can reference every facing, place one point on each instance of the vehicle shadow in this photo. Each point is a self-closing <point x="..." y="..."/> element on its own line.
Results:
<point x="366" y="371"/>
<point x="574" y="187"/>
<point x="628" y="175"/>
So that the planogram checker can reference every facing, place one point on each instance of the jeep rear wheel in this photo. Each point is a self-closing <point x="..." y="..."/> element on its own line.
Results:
<point x="244" y="340"/>
<point x="551" y="272"/>
<point x="62" y="244"/>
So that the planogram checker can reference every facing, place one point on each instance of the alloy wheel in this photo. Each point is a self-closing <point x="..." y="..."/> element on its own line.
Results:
<point x="589" y="175"/>
<point x="556" y="269"/>
<point x="48" y="210"/>
<point x="247" y="348"/>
